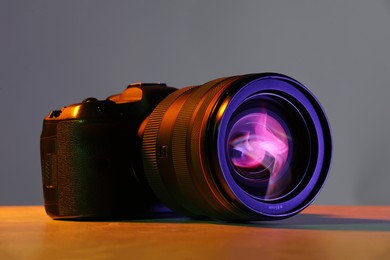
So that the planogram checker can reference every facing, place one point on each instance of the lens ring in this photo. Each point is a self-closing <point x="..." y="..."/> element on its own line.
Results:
<point x="320" y="145"/>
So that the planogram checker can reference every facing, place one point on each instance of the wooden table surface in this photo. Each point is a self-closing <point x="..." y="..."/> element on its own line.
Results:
<point x="320" y="232"/>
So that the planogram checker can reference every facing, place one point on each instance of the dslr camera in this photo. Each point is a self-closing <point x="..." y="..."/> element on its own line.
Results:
<point x="239" y="148"/>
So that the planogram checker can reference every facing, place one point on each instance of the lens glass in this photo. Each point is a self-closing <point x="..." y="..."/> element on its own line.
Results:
<point x="258" y="145"/>
<point x="264" y="135"/>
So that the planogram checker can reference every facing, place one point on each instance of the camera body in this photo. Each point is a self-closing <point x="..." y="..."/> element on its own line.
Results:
<point x="239" y="148"/>
<point x="91" y="164"/>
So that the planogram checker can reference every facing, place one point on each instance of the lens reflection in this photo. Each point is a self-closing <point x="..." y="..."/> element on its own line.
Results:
<point x="259" y="150"/>
<point x="258" y="142"/>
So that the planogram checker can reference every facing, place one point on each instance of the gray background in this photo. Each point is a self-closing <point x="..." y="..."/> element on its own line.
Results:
<point x="54" y="53"/>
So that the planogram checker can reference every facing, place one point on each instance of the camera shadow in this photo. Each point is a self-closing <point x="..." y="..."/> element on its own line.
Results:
<point x="302" y="221"/>
<point x="327" y="222"/>
<point x="299" y="222"/>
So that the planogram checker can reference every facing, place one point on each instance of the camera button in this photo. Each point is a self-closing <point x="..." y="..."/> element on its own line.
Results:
<point x="139" y="84"/>
<point x="90" y="99"/>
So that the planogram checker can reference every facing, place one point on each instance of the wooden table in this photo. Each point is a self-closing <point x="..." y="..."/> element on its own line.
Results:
<point x="320" y="232"/>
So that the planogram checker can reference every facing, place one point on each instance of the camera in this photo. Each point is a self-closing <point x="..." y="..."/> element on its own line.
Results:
<point x="239" y="148"/>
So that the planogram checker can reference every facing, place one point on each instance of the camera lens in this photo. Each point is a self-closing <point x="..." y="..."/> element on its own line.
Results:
<point x="250" y="147"/>
<point x="265" y="137"/>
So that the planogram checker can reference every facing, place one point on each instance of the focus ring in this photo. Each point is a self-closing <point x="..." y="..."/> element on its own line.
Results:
<point x="150" y="152"/>
<point x="200" y="188"/>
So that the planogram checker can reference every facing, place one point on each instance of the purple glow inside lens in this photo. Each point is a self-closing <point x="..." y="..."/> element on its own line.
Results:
<point x="258" y="146"/>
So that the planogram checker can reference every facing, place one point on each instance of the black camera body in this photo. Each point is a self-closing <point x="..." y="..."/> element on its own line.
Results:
<point x="91" y="164"/>
<point x="239" y="148"/>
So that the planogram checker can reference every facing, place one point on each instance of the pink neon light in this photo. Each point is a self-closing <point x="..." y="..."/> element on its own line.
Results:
<point x="261" y="137"/>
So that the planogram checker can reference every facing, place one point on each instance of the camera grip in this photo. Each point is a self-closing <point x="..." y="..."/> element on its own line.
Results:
<point x="87" y="169"/>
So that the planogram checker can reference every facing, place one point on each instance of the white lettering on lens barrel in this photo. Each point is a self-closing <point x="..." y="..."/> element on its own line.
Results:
<point x="275" y="206"/>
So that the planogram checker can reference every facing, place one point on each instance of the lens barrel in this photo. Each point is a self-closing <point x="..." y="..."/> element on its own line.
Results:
<point x="241" y="148"/>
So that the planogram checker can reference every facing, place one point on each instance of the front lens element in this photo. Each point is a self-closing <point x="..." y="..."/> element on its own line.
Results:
<point x="265" y="136"/>
<point x="258" y="146"/>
